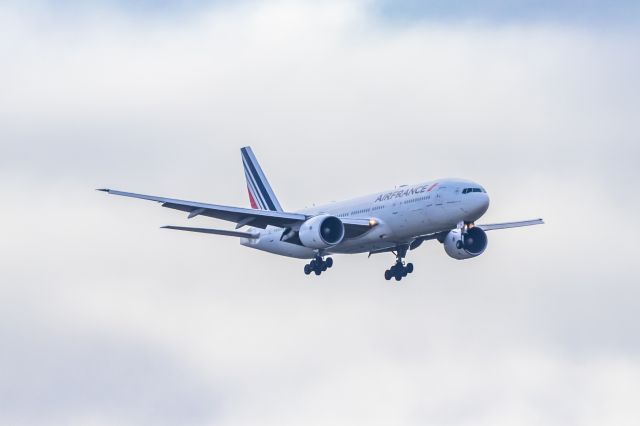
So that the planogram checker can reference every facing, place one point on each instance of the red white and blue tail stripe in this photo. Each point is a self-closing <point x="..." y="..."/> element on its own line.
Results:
<point x="261" y="196"/>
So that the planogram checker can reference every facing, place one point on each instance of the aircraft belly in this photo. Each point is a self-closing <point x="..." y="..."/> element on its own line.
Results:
<point x="405" y="228"/>
<point x="360" y="248"/>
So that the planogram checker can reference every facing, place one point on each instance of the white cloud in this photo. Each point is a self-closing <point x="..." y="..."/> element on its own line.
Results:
<point x="540" y="329"/>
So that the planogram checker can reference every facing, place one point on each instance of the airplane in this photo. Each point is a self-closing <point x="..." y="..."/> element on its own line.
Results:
<point x="392" y="221"/>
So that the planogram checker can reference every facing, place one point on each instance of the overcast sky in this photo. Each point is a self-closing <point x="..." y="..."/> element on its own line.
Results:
<point x="106" y="319"/>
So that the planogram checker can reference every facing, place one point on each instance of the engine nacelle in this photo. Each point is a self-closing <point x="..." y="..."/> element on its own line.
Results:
<point x="321" y="232"/>
<point x="466" y="246"/>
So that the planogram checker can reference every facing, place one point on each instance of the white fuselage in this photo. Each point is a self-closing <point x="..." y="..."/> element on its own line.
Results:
<point x="401" y="215"/>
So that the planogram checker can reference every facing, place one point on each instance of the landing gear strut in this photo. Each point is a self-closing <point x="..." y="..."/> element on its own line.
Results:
<point x="318" y="265"/>
<point x="399" y="270"/>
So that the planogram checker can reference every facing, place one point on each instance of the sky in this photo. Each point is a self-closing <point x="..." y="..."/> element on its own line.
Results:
<point x="107" y="319"/>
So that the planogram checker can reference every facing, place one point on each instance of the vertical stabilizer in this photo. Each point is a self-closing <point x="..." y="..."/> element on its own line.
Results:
<point x="261" y="196"/>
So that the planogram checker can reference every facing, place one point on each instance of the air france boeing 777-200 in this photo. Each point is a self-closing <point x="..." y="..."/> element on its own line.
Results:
<point x="393" y="221"/>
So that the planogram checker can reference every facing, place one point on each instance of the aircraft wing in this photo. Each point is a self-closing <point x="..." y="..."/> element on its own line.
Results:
<point x="506" y="225"/>
<point x="441" y="235"/>
<point x="240" y="216"/>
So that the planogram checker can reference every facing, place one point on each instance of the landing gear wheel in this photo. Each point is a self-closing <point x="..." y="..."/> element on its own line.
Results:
<point x="399" y="270"/>
<point x="318" y="265"/>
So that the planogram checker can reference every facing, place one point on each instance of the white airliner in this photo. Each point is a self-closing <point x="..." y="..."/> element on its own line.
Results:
<point x="393" y="221"/>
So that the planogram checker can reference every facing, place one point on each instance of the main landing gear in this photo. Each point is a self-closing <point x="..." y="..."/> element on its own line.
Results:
<point x="399" y="270"/>
<point x="318" y="265"/>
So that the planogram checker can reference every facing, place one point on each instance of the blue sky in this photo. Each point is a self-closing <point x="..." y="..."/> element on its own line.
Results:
<point x="569" y="11"/>
<point x="586" y="12"/>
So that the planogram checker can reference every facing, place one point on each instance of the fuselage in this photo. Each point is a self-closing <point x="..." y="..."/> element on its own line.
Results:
<point x="400" y="215"/>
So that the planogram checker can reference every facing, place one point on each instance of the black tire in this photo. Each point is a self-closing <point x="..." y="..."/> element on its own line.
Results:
<point x="312" y="264"/>
<point x="387" y="275"/>
<point x="409" y="267"/>
<point x="405" y="272"/>
<point x="307" y="269"/>
<point x="317" y="271"/>
<point x="329" y="262"/>
<point x="324" y="267"/>
<point x="398" y="277"/>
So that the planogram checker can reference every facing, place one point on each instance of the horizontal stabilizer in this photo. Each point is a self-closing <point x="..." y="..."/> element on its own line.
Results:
<point x="214" y="231"/>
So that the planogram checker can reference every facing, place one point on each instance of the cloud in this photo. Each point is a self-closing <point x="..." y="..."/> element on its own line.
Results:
<point x="335" y="102"/>
<point x="53" y="376"/>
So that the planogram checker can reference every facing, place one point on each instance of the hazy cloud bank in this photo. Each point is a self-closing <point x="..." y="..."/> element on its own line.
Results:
<point x="107" y="319"/>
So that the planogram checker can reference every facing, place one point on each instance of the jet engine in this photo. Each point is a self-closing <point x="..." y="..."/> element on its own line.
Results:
<point x="321" y="232"/>
<point x="465" y="246"/>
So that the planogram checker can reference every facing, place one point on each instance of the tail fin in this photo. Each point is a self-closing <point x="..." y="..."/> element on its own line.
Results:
<point x="261" y="196"/>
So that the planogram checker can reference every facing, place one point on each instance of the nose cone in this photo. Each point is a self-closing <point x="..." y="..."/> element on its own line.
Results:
<point x="478" y="205"/>
<point x="483" y="203"/>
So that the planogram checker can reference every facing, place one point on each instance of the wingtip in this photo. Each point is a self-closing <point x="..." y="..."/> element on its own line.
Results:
<point x="103" y="189"/>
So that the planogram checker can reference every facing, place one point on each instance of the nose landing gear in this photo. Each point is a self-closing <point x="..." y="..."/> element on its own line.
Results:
<point x="318" y="265"/>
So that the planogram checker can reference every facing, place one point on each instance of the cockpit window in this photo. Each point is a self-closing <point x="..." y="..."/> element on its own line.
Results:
<point x="468" y="190"/>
